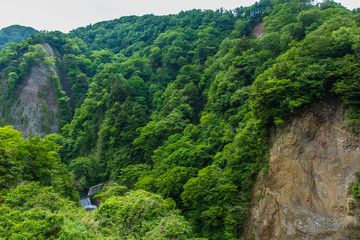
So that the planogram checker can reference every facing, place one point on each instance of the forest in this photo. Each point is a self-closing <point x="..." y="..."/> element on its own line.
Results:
<point x="173" y="113"/>
<point x="15" y="34"/>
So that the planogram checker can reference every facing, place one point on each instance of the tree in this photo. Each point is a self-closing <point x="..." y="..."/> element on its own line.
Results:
<point x="33" y="212"/>
<point x="170" y="184"/>
<point x="139" y="214"/>
<point x="88" y="171"/>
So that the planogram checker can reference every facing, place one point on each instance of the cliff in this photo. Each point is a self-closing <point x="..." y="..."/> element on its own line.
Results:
<point x="36" y="109"/>
<point x="305" y="192"/>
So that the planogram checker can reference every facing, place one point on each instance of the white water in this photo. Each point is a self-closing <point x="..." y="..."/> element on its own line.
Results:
<point x="85" y="201"/>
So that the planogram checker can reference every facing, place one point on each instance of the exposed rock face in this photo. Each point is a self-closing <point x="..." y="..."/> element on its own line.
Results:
<point x="305" y="194"/>
<point x="259" y="30"/>
<point x="37" y="109"/>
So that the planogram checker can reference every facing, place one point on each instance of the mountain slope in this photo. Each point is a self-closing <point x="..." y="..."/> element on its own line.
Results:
<point x="15" y="34"/>
<point x="183" y="105"/>
<point x="35" y="110"/>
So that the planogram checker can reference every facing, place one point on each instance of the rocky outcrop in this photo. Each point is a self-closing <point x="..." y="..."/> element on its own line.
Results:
<point x="305" y="192"/>
<point x="259" y="30"/>
<point x="36" y="110"/>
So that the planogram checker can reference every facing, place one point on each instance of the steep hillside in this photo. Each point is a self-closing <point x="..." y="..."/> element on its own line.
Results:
<point x="306" y="191"/>
<point x="34" y="108"/>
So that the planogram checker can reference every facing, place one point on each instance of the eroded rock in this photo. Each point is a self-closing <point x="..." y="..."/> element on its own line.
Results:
<point x="36" y="111"/>
<point x="306" y="192"/>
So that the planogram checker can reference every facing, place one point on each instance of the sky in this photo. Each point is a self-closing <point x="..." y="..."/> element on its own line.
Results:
<point x="65" y="15"/>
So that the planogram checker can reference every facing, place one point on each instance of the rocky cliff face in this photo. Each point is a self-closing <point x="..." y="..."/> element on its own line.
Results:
<point x="305" y="193"/>
<point x="36" y="109"/>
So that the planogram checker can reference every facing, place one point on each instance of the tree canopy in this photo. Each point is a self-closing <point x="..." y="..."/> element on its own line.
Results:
<point x="173" y="112"/>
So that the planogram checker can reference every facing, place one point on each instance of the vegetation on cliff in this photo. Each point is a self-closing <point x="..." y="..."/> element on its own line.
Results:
<point x="178" y="108"/>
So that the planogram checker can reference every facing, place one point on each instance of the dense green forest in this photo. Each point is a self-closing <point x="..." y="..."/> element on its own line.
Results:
<point x="172" y="112"/>
<point x="15" y="34"/>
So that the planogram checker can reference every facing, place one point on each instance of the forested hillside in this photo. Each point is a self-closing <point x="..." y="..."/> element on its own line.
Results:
<point x="172" y="112"/>
<point x="15" y="34"/>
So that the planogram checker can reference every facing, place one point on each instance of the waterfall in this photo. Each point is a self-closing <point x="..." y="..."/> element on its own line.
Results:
<point x="85" y="201"/>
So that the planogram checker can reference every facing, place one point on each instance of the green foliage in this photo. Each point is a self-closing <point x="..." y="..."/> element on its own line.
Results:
<point x="179" y="106"/>
<point x="155" y="132"/>
<point x="355" y="189"/>
<point x="87" y="171"/>
<point x="347" y="87"/>
<point x="171" y="183"/>
<point x="141" y="215"/>
<point x="32" y="159"/>
<point x="30" y="211"/>
<point x="129" y="175"/>
<point x="205" y="196"/>
<point x="10" y="170"/>
<point x="14" y="33"/>
<point x="111" y="191"/>
<point x="307" y="72"/>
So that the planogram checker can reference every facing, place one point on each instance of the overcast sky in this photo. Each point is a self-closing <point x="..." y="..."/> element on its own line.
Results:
<point x="65" y="15"/>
